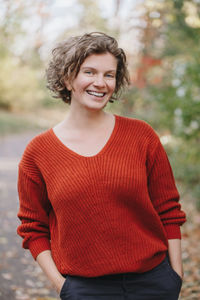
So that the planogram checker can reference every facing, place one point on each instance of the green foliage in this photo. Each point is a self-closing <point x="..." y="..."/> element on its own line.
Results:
<point x="90" y="18"/>
<point x="174" y="102"/>
<point x="19" y="85"/>
<point x="22" y="84"/>
<point x="14" y="123"/>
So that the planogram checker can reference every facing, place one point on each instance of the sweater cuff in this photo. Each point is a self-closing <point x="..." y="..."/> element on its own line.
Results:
<point x="39" y="245"/>
<point x="173" y="231"/>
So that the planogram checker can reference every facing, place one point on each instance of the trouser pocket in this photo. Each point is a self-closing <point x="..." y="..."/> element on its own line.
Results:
<point x="160" y="283"/>
<point x="64" y="288"/>
<point x="173" y="273"/>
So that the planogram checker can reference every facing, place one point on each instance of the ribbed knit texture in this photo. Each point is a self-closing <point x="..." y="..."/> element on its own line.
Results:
<point x="104" y="214"/>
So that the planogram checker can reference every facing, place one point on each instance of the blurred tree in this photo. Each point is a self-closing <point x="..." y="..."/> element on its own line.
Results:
<point x="22" y="69"/>
<point x="91" y="18"/>
<point x="10" y="26"/>
<point x="168" y="77"/>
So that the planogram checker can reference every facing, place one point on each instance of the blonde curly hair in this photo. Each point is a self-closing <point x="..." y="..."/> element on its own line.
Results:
<point x="68" y="56"/>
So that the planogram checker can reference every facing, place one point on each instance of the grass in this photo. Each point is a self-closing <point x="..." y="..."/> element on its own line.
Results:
<point x="17" y="122"/>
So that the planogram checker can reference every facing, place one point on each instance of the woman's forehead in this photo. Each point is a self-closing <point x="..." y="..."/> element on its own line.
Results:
<point x="107" y="60"/>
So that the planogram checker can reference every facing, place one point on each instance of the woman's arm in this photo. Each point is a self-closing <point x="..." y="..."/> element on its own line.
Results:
<point x="174" y="250"/>
<point x="48" y="266"/>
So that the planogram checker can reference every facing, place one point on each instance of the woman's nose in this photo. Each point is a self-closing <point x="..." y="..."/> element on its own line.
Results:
<point x="99" y="81"/>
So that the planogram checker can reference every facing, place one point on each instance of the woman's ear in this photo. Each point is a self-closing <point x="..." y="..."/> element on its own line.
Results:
<point x="68" y="84"/>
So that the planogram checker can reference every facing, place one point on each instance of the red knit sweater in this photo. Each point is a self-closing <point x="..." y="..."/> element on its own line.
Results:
<point x="104" y="214"/>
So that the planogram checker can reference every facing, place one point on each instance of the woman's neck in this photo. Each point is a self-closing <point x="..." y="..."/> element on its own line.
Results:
<point x="85" y="119"/>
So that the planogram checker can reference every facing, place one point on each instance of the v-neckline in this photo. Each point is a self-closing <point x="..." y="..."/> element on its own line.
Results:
<point x="76" y="154"/>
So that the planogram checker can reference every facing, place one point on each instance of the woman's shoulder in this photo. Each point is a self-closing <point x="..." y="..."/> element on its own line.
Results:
<point x="36" y="148"/>
<point x="138" y="126"/>
<point x="38" y="141"/>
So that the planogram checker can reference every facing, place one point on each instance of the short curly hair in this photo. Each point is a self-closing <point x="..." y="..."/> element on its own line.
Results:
<point x="68" y="56"/>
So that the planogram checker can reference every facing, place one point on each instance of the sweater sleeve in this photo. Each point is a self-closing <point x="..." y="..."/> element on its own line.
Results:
<point x="163" y="191"/>
<point x="33" y="213"/>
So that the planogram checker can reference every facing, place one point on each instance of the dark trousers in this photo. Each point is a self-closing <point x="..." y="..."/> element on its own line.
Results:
<point x="161" y="283"/>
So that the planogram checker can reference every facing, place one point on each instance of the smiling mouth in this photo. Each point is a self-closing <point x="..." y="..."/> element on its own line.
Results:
<point x="96" y="94"/>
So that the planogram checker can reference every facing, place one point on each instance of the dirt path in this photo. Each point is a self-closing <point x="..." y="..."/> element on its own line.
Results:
<point x="21" y="278"/>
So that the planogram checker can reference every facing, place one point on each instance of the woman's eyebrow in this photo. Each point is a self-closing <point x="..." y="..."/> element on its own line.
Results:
<point x="91" y="68"/>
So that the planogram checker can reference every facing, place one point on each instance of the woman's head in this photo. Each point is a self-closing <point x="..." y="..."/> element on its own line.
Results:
<point x="69" y="55"/>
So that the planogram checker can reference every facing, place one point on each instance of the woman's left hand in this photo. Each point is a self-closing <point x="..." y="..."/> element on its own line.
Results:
<point x="178" y="270"/>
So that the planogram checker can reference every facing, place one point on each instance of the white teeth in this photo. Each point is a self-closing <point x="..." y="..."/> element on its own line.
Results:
<point x="96" y="94"/>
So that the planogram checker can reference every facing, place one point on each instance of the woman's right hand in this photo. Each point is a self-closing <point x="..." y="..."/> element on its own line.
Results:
<point x="48" y="266"/>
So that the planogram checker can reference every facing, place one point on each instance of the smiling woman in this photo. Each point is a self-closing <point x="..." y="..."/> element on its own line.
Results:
<point x="69" y="56"/>
<point x="99" y="208"/>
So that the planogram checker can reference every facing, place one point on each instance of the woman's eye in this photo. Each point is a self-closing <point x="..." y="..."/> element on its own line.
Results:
<point x="88" y="72"/>
<point x="110" y="75"/>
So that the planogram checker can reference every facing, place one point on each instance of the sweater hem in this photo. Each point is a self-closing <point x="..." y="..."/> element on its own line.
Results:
<point x="134" y="268"/>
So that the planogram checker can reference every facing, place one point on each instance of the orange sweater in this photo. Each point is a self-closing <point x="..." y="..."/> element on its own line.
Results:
<point x="109" y="213"/>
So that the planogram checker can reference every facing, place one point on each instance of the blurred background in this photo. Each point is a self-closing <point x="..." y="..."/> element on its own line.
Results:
<point x="162" y="41"/>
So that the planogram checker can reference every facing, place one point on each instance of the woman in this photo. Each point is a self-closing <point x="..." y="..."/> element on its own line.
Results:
<point x="98" y="202"/>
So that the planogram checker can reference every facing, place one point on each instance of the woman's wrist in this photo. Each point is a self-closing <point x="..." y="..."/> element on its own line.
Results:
<point x="48" y="266"/>
<point x="58" y="284"/>
<point x="175" y="258"/>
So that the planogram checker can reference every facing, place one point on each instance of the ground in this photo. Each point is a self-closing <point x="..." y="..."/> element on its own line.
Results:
<point x="20" y="276"/>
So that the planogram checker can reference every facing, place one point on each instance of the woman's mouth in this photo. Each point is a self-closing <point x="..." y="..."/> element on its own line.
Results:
<point x="96" y="94"/>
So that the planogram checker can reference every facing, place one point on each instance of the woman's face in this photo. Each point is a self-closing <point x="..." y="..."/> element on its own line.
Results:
<point x="95" y="82"/>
